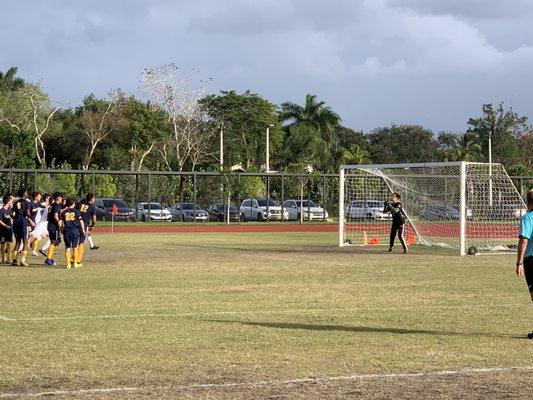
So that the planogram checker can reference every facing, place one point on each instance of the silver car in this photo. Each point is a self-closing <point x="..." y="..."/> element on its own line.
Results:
<point x="188" y="212"/>
<point x="262" y="210"/>
<point x="310" y="210"/>
<point x="366" y="209"/>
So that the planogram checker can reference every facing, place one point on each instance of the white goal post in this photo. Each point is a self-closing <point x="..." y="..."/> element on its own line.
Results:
<point x="470" y="207"/>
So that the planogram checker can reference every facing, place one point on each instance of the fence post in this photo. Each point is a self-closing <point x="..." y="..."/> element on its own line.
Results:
<point x="10" y="181"/>
<point x="268" y="197"/>
<point x="35" y="180"/>
<point x="324" y="178"/>
<point x="282" y="195"/>
<point x="194" y="196"/>
<point x="93" y="183"/>
<point x="309" y="185"/>
<point x="136" y="196"/>
<point x="239" y="197"/>
<point x="149" y="197"/>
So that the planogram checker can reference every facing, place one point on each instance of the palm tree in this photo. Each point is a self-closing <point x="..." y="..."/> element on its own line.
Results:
<point x="355" y="154"/>
<point x="466" y="149"/>
<point x="314" y="113"/>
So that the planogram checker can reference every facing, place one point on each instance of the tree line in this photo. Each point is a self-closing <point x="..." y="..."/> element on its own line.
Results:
<point x="177" y="125"/>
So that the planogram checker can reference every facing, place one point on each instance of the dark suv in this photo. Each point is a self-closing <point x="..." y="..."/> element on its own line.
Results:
<point x="104" y="210"/>
<point x="218" y="213"/>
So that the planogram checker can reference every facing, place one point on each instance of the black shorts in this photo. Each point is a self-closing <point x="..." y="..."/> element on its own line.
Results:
<point x="71" y="241"/>
<point x="528" y="272"/>
<point x="53" y="233"/>
<point x="20" y="230"/>
<point x="6" y="235"/>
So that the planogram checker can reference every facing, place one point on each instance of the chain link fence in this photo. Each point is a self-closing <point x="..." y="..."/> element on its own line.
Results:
<point x="201" y="190"/>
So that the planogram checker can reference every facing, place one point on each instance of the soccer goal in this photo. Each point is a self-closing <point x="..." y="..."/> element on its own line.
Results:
<point x="470" y="207"/>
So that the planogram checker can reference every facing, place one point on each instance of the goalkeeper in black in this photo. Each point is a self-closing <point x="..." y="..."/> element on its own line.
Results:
<point x="394" y="206"/>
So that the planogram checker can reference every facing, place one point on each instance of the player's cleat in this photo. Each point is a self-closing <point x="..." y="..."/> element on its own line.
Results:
<point x="14" y="263"/>
<point x="95" y="247"/>
<point x="34" y="253"/>
<point x="76" y="265"/>
<point x="405" y="252"/>
<point x="69" y="266"/>
<point x="43" y="253"/>
<point x="530" y="335"/>
<point x="390" y="250"/>
<point x="24" y="264"/>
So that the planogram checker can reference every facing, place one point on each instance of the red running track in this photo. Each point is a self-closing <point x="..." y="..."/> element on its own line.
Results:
<point x="218" y="228"/>
<point x="430" y="230"/>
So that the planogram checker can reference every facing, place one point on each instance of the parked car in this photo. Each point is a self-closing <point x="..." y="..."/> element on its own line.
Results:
<point x="502" y="212"/>
<point x="443" y="212"/>
<point x="366" y="209"/>
<point x="256" y="210"/>
<point x="310" y="210"/>
<point x="104" y="210"/>
<point x="153" y="212"/>
<point x="218" y="212"/>
<point x="188" y="212"/>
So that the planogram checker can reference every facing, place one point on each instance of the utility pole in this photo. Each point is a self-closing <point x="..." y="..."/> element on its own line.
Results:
<point x="268" y="148"/>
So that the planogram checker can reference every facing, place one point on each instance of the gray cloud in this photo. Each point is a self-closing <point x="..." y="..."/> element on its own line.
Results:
<point x="375" y="61"/>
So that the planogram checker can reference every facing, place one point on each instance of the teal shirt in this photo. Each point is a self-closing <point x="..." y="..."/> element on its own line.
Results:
<point x="526" y="231"/>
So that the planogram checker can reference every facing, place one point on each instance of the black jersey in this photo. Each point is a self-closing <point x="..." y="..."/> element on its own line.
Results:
<point x="71" y="222"/>
<point x="21" y="211"/>
<point x="87" y="211"/>
<point x="5" y="217"/>
<point x="398" y="215"/>
<point x="35" y="207"/>
<point x="55" y="211"/>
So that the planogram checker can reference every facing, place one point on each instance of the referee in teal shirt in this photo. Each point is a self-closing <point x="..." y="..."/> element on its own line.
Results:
<point x="524" y="260"/>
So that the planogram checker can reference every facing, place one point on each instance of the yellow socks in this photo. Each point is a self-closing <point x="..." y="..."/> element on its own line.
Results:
<point x="3" y="250"/>
<point x="50" y="252"/>
<point x="81" y="250"/>
<point x="34" y="245"/>
<point x="77" y="257"/>
<point x="24" y="256"/>
<point x="8" y="251"/>
<point x="67" y="257"/>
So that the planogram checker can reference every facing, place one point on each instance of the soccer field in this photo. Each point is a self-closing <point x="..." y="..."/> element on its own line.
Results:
<point x="264" y="315"/>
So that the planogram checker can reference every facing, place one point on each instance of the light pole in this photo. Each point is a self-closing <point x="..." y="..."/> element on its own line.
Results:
<point x="268" y="148"/>
<point x="221" y="147"/>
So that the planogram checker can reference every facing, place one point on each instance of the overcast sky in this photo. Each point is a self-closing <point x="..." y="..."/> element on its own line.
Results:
<point x="376" y="62"/>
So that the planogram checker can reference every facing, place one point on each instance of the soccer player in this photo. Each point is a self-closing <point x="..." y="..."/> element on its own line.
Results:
<point x="524" y="259"/>
<point x="72" y="226"/>
<point x="21" y="222"/>
<point x="54" y="218"/>
<point x="6" y="229"/>
<point x="35" y="211"/>
<point x="88" y="214"/>
<point x="394" y="206"/>
<point x="40" y="219"/>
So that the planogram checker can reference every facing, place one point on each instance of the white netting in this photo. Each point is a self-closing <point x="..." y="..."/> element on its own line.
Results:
<point x="431" y="196"/>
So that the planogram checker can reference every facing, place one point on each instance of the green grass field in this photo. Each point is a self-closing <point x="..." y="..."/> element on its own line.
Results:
<point x="246" y="316"/>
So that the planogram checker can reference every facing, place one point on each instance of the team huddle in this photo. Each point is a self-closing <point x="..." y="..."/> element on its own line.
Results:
<point x="24" y="222"/>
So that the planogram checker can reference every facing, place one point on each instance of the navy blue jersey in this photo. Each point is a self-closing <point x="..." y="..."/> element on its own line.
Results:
<point x="55" y="210"/>
<point x="5" y="217"/>
<point x="71" y="222"/>
<point x="34" y="209"/>
<point x="87" y="211"/>
<point x="21" y="211"/>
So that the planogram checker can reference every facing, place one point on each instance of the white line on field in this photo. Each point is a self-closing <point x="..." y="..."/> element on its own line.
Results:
<point x="283" y="382"/>
<point x="252" y="312"/>
<point x="4" y="318"/>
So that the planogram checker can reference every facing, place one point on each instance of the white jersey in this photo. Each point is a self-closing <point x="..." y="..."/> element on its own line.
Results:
<point x="41" y="223"/>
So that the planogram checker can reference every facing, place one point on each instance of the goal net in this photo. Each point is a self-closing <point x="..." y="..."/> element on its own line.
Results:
<point x="470" y="207"/>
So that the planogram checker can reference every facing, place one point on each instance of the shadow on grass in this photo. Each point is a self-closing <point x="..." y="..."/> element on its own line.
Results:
<point x="362" y="329"/>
